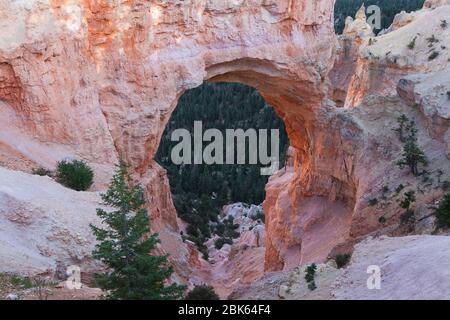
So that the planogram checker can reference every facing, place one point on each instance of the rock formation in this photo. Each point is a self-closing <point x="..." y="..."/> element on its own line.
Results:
<point x="240" y="263"/>
<point x="44" y="225"/>
<point x="411" y="269"/>
<point x="98" y="80"/>
<point x="354" y="150"/>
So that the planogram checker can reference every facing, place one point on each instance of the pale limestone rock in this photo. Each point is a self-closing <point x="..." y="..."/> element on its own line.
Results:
<point x="431" y="4"/>
<point x="44" y="225"/>
<point x="239" y="263"/>
<point x="358" y="28"/>
<point x="411" y="269"/>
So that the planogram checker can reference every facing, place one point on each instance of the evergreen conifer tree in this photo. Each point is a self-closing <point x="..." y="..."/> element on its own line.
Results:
<point x="126" y="247"/>
<point x="413" y="155"/>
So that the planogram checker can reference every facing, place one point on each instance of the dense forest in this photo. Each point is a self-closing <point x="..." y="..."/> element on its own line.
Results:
<point x="199" y="191"/>
<point x="389" y="8"/>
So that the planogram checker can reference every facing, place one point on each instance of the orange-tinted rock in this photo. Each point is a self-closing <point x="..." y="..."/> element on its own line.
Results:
<point x="98" y="80"/>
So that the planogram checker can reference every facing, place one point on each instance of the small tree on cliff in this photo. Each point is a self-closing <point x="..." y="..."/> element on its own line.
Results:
<point x="125" y="247"/>
<point x="413" y="155"/>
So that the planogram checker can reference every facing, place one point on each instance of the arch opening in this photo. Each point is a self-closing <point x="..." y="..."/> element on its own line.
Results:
<point x="219" y="205"/>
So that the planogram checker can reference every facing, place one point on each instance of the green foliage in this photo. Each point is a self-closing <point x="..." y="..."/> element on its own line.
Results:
<point x="404" y="126"/>
<point x="200" y="191"/>
<point x="126" y="246"/>
<point x="445" y="185"/>
<point x="413" y="155"/>
<point x="342" y="260"/>
<point x="230" y="228"/>
<point x="310" y="276"/>
<point x="431" y="40"/>
<point x="408" y="200"/>
<point x="443" y="213"/>
<point x="259" y="217"/>
<point x="433" y="55"/>
<point x="406" y="203"/>
<point x="373" y="202"/>
<point x="199" y="241"/>
<point x="227" y="231"/>
<point x="76" y="175"/>
<point x="21" y="282"/>
<point x="42" y="172"/>
<point x="389" y="9"/>
<point x="219" y="243"/>
<point x="444" y="24"/>
<point x="382" y="220"/>
<point x="399" y="188"/>
<point x="202" y="292"/>
<point x="412" y="44"/>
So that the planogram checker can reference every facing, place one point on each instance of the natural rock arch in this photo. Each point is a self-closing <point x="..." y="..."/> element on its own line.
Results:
<point x="99" y="80"/>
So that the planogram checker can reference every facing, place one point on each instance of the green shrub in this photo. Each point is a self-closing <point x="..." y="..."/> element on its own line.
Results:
<point x="20" y="282"/>
<point x="202" y="292"/>
<point x="342" y="260"/>
<point x="399" y="188"/>
<point x="373" y="202"/>
<point x="433" y="55"/>
<point x="382" y="220"/>
<point x="406" y="203"/>
<point x="432" y="39"/>
<point x="410" y="198"/>
<point x="443" y="213"/>
<point x="412" y="44"/>
<point x="445" y="185"/>
<point x="192" y="231"/>
<point x="261" y="217"/>
<point x="221" y="242"/>
<point x="310" y="275"/>
<point x="76" y="175"/>
<point x="42" y="172"/>
<point x="220" y="229"/>
<point x="312" y="286"/>
<point x="126" y="246"/>
<point x="444" y="24"/>
<point x="413" y="155"/>
<point x="407" y="217"/>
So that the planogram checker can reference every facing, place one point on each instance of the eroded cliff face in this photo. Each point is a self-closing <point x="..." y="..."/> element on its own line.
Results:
<point x="323" y="206"/>
<point x="98" y="80"/>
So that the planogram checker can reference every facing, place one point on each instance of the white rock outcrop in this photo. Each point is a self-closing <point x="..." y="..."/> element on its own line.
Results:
<point x="43" y="224"/>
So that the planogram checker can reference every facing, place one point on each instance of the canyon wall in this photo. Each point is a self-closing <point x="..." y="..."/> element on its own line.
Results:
<point x="98" y="80"/>
<point x="351" y="186"/>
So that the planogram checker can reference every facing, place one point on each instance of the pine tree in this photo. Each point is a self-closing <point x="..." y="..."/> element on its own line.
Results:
<point x="412" y="153"/>
<point x="126" y="246"/>
<point x="443" y="213"/>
